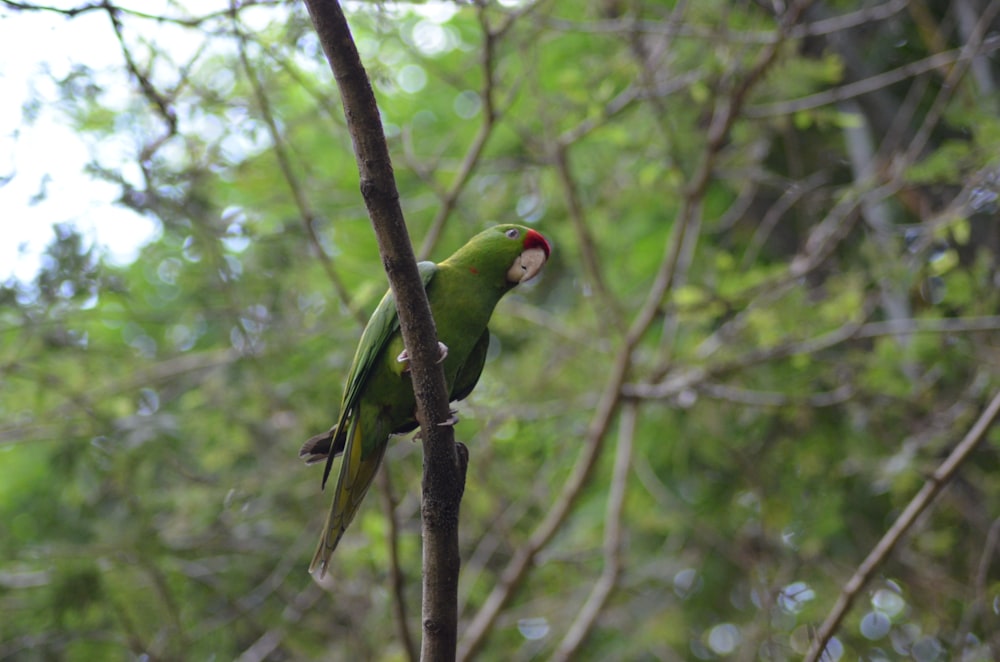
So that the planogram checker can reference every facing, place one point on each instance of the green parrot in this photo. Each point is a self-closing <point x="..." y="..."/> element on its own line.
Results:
<point x="378" y="398"/>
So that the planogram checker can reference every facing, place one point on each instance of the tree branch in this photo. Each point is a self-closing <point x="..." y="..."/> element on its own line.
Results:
<point x="608" y="580"/>
<point x="937" y="482"/>
<point x="490" y="114"/>
<point x="443" y="479"/>
<point x="876" y="82"/>
<point x="976" y="45"/>
<point x="306" y="211"/>
<point x="517" y="568"/>
<point x="396" y="577"/>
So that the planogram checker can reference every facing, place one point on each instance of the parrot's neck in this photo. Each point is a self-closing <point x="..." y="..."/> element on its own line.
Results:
<point x="472" y="291"/>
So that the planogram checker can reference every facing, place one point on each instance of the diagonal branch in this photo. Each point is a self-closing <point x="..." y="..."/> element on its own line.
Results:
<point x="490" y="113"/>
<point x="975" y="45"/>
<point x="608" y="580"/>
<point x="517" y="568"/>
<point x="306" y="211"/>
<point x="443" y="479"/>
<point x="396" y="577"/>
<point x="588" y="246"/>
<point x="876" y="82"/>
<point x="937" y="482"/>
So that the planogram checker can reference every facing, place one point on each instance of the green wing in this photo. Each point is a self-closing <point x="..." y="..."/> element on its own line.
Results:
<point x="468" y="375"/>
<point x="383" y="323"/>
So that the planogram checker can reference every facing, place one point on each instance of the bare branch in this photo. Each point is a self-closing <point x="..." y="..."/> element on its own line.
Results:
<point x="514" y="574"/>
<point x="847" y="21"/>
<point x="588" y="247"/>
<point x="976" y="46"/>
<point x="161" y="103"/>
<point x="397" y="578"/>
<point x="697" y="377"/>
<point x="968" y="15"/>
<point x="976" y="605"/>
<point x="264" y="646"/>
<point x="606" y="583"/>
<point x="881" y="552"/>
<point x="105" y="5"/>
<point x="306" y="212"/>
<point x="490" y="115"/>
<point x="680" y="380"/>
<point x="930" y="325"/>
<point x="754" y="398"/>
<point x="728" y="109"/>
<point x="877" y="82"/>
<point x="793" y="193"/>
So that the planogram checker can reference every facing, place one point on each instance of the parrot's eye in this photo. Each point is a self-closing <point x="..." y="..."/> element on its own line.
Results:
<point x="513" y="233"/>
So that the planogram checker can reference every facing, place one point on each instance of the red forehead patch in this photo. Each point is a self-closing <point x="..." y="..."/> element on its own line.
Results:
<point x="534" y="239"/>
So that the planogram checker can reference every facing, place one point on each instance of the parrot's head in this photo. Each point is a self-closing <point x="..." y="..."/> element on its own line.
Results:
<point x="534" y="252"/>
<point x="511" y="254"/>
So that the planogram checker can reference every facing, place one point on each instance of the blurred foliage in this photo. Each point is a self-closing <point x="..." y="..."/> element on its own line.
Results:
<point x="827" y="334"/>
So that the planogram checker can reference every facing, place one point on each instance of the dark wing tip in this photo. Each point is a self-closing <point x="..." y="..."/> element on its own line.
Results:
<point x="323" y="448"/>
<point x="317" y="449"/>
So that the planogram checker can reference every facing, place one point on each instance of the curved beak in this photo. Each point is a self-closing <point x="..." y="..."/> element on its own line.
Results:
<point x="527" y="265"/>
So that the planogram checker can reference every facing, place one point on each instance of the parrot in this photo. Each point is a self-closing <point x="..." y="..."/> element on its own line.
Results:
<point x="378" y="398"/>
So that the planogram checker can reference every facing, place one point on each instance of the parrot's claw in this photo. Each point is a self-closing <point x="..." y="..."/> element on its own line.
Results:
<point x="404" y="356"/>
<point x="452" y="419"/>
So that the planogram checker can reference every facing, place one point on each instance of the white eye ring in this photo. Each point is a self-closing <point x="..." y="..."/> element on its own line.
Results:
<point x="513" y="233"/>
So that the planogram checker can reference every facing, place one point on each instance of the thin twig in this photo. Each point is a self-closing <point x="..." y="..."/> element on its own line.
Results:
<point x="754" y="398"/>
<point x="264" y="646"/>
<point x="606" y="583"/>
<point x="585" y="239"/>
<point x="191" y="22"/>
<point x="161" y="103"/>
<point x="931" y="325"/>
<point x="865" y="16"/>
<point x="794" y="192"/>
<point x="976" y="45"/>
<point x="974" y="608"/>
<point x="397" y="580"/>
<point x="881" y="552"/>
<point x="867" y="85"/>
<point x="517" y="568"/>
<point x="697" y="376"/>
<point x="490" y="115"/>
<point x="299" y="196"/>
<point x="679" y="380"/>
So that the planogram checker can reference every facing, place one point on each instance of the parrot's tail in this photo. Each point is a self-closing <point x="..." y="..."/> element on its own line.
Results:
<point x="357" y="472"/>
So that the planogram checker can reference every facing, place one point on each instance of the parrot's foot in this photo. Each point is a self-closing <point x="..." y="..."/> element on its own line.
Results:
<point x="404" y="356"/>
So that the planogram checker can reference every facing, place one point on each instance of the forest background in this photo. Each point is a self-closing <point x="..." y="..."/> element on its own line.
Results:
<point x="770" y="322"/>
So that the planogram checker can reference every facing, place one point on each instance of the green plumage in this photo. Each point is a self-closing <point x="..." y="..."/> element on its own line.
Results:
<point x="378" y="398"/>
